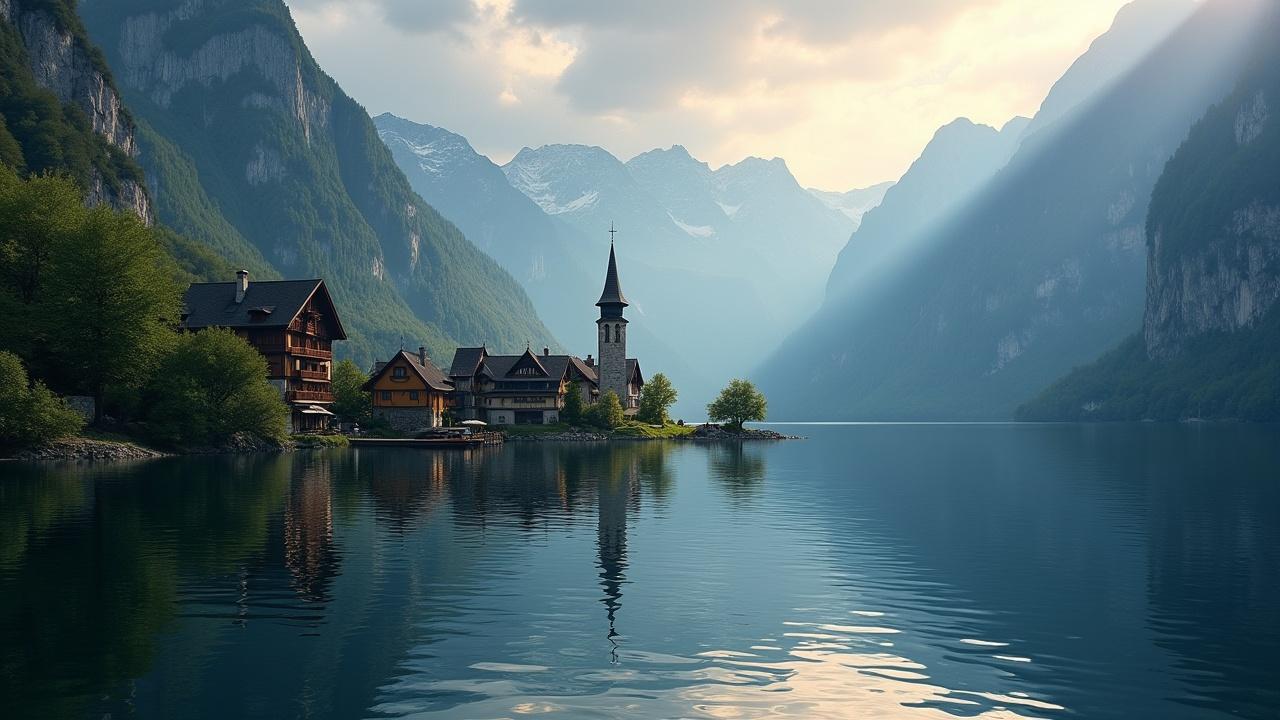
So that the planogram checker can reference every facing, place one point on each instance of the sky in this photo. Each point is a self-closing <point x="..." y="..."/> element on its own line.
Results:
<point x="847" y="91"/>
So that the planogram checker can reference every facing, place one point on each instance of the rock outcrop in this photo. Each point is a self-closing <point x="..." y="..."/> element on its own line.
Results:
<point x="64" y="62"/>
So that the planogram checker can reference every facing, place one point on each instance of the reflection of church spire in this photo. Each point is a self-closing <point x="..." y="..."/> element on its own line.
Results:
<point x="611" y="539"/>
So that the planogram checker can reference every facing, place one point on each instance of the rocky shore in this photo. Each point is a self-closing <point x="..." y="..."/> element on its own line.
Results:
<point x="84" y="449"/>
<point x="716" y="432"/>
<point x="707" y="433"/>
<point x="566" y="436"/>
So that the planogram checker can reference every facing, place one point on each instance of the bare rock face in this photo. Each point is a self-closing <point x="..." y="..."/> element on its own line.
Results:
<point x="149" y="66"/>
<point x="1226" y="286"/>
<point x="64" y="65"/>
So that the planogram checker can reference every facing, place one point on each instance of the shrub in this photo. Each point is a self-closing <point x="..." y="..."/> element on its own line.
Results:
<point x="607" y="413"/>
<point x="211" y="386"/>
<point x="30" y="414"/>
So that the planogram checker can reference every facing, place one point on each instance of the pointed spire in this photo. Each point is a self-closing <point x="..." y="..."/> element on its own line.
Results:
<point x="612" y="294"/>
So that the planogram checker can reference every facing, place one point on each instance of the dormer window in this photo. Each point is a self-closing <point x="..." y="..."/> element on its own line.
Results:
<point x="527" y="372"/>
<point x="398" y="373"/>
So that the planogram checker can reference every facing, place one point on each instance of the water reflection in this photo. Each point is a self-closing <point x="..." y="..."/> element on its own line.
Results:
<point x="871" y="571"/>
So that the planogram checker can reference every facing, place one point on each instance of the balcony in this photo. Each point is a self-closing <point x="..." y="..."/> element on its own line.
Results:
<point x="314" y="375"/>
<point x="310" y="352"/>
<point x="308" y="396"/>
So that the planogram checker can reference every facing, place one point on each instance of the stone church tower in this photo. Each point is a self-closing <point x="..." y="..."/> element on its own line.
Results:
<point x="612" y="334"/>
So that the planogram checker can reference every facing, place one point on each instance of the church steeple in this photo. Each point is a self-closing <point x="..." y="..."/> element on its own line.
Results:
<point x="611" y="332"/>
<point x="612" y="300"/>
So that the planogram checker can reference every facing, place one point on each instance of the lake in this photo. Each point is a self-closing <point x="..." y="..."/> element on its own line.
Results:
<point x="912" y="571"/>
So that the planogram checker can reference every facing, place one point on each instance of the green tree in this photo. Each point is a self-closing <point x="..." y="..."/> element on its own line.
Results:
<point x="656" y="398"/>
<point x="114" y="300"/>
<point x="572" y="412"/>
<point x="211" y="386"/>
<point x="738" y="403"/>
<point x="607" y="413"/>
<point x="350" y="402"/>
<point x="29" y="413"/>
<point x="37" y="216"/>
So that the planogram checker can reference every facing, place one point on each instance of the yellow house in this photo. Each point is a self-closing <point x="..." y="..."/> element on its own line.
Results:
<point x="409" y="392"/>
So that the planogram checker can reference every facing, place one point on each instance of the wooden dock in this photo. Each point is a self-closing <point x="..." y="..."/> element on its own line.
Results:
<point x="456" y="441"/>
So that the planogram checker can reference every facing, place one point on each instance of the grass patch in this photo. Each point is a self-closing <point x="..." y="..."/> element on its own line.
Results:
<point x="528" y="430"/>
<point x="641" y="430"/>
<point x="321" y="441"/>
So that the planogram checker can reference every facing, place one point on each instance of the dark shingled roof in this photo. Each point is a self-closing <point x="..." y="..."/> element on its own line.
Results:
<point x="612" y="294"/>
<point x="430" y="374"/>
<point x="271" y="303"/>
<point x="466" y="361"/>
<point x="633" y="369"/>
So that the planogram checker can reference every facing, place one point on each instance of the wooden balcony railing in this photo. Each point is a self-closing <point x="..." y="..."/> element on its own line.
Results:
<point x="308" y="396"/>
<point x="310" y="352"/>
<point x="314" y="375"/>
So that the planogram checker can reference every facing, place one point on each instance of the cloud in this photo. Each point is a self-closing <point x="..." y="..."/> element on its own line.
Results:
<point x="847" y="90"/>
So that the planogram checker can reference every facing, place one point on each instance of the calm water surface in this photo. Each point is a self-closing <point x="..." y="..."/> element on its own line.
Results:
<point x="871" y="571"/>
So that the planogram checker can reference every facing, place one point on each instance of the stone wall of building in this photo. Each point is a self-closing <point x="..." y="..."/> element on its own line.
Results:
<point x="407" y="419"/>
<point x="612" y="368"/>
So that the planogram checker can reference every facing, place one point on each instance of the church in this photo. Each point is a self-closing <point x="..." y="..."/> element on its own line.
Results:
<point x="524" y="389"/>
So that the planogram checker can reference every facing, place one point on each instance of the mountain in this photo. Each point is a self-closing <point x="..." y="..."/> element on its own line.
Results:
<point x="1040" y="271"/>
<point x="1210" y="343"/>
<point x="854" y="203"/>
<point x="249" y="142"/>
<point x="744" y="245"/>
<point x="473" y="193"/>
<point x="59" y="107"/>
<point x="957" y="163"/>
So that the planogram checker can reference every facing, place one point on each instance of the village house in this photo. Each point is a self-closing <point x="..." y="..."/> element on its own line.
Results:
<point x="293" y="323"/>
<point x="531" y="388"/>
<point x="526" y="389"/>
<point x="409" y="392"/>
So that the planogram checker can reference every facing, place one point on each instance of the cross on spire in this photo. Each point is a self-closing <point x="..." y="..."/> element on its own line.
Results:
<point x="612" y="232"/>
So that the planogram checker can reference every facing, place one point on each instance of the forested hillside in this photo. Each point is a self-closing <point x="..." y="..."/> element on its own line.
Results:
<point x="252" y="149"/>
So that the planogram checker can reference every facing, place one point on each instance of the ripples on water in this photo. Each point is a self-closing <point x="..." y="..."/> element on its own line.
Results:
<point x="871" y="571"/>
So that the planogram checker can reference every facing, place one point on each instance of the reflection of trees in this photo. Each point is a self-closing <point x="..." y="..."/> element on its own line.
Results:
<point x="405" y="484"/>
<point x="738" y="467"/>
<point x="83" y="603"/>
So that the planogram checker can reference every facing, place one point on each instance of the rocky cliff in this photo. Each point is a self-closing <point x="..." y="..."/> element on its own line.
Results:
<point x="1214" y="258"/>
<point x="62" y="61"/>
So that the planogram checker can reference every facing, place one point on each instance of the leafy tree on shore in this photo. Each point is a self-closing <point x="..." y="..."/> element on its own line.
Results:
<point x="29" y="413"/>
<point x="572" y="412"/>
<point x="607" y="413"/>
<point x="740" y="402"/>
<point x="350" y="402"/>
<point x="113" y="311"/>
<point x="211" y="386"/>
<point x="656" y="399"/>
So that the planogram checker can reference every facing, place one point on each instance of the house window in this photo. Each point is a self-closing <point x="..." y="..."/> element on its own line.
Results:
<point x="398" y="373"/>
<point x="386" y="394"/>
<point x="413" y="394"/>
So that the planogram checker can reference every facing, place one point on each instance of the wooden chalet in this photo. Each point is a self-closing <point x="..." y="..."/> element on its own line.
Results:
<point x="409" y="392"/>
<point x="293" y="323"/>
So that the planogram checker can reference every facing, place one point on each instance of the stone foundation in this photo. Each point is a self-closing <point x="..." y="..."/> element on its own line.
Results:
<point x="407" y="419"/>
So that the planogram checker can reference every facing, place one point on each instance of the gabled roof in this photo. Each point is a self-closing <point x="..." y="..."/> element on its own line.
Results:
<point x="612" y="294"/>
<point x="528" y="360"/>
<point x="633" y="370"/>
<point x="269" y="303"/>
<point x="428" y="372"/>
<point x="466" y="361"/>
<point x="501" y="367"/>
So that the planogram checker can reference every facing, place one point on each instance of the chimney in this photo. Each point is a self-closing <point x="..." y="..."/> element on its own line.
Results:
<point x="242" y="285"/>
<point x="546" y="351"/>
<point x="422" y="355"/>
<point x="591" y="362"/>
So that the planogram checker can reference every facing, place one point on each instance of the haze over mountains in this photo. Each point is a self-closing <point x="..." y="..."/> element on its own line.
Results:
<point x="743" y="241"/>
<point x="1039" y="270"/>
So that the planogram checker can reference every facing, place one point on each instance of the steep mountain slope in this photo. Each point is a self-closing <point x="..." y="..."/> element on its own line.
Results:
<point x="472" y="192"/>
<point x="294" y="166"/>
<point x="854" y="203"/>
<point x="1041" y="271"/>
<point x="59" y="106"/>
<point x="1210" y="346"/>
<point x="957" y="163"/>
